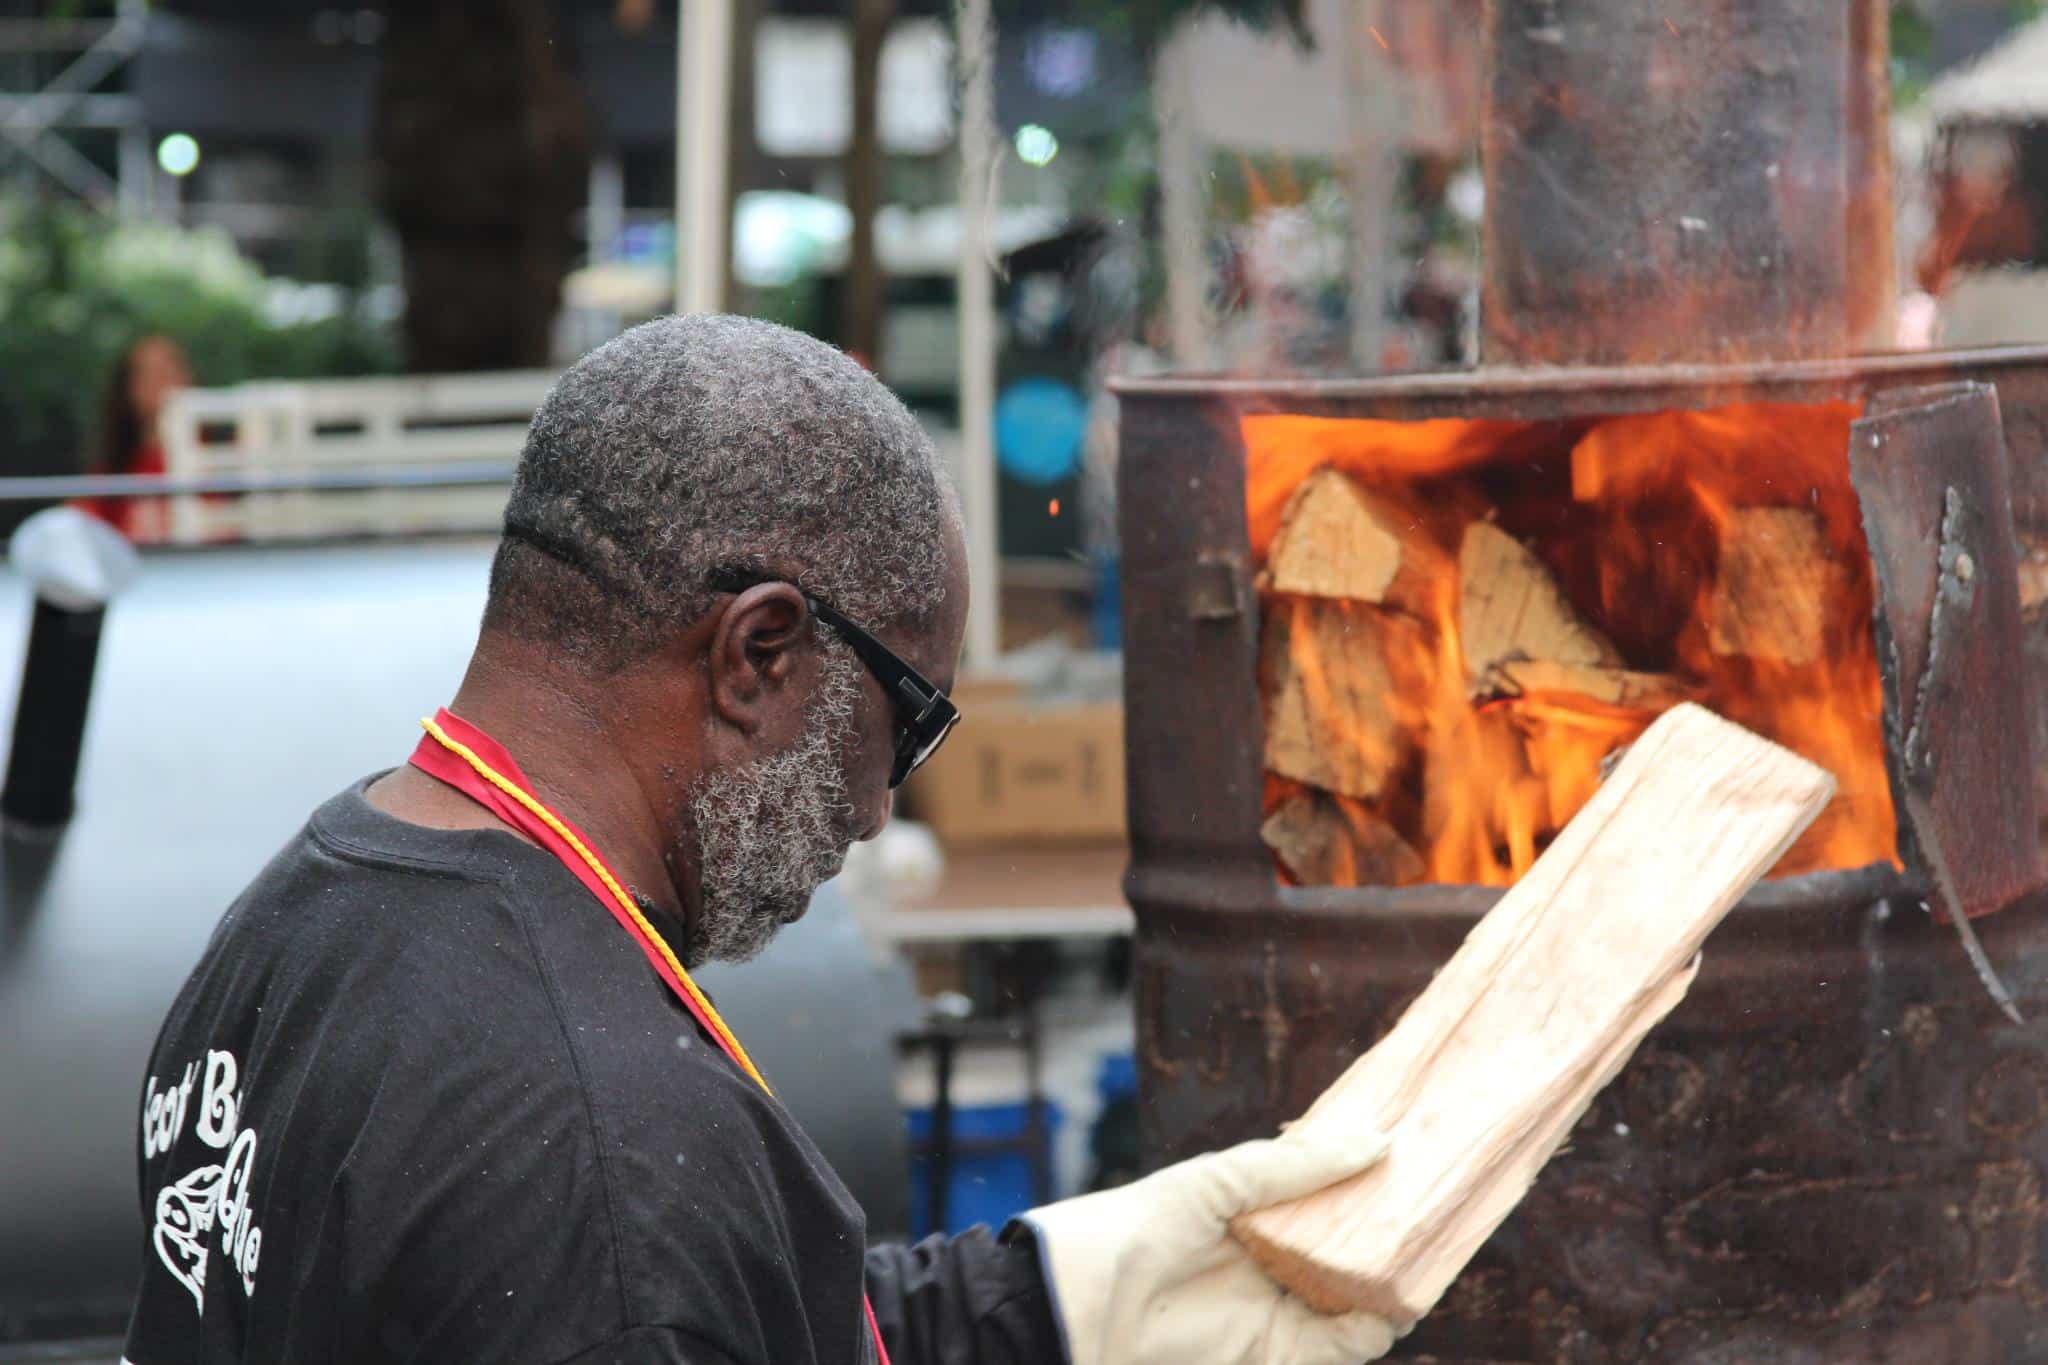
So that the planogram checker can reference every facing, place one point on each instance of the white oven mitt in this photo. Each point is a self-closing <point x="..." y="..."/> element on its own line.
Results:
<point x="1148" y="1274"/>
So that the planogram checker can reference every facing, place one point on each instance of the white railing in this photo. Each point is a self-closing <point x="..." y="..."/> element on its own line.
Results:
<point x="346" y="425"/>
<point x="1994" y="306"/>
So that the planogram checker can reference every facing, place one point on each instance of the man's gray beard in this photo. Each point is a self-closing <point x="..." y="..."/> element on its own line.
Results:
<point x="771" y="833"/>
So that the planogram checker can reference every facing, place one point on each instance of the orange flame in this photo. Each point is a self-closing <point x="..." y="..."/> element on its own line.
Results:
<point x="1641" y="520"/>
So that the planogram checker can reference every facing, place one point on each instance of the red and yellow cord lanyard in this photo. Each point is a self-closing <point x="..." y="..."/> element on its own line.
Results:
<point x="465" y="758"/>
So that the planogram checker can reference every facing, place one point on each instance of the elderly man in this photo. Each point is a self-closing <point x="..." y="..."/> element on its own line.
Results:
<point x="442" y="1090"/>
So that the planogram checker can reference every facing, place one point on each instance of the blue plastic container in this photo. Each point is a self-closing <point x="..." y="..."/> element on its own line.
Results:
<point x="1106" y="615"/>
<point x="986" y="1187"/>
<point x="1116" y="1077"/>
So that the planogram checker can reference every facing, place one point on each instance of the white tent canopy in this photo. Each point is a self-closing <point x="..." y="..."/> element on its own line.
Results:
<point x="2008" y="84"/>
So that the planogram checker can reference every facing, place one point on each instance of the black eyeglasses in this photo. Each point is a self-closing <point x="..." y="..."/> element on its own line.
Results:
<point x="924" y="714"/>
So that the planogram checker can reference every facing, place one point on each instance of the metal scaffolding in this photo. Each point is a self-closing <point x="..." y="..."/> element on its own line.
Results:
<point x="36" y="120"/>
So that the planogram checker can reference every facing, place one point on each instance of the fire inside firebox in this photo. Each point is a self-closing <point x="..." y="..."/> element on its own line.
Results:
<point x="1464" y="619"/>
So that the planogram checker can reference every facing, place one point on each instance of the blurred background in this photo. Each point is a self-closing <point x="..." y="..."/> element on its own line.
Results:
<point x="312" y="265"/>
<point x="303" y="191"/>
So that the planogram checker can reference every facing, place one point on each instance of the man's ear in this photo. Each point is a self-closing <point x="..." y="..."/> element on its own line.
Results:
<point x="754" y="654"/>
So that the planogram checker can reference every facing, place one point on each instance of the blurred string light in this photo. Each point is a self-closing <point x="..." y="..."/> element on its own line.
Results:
<point x="178" y="154"/>
<point x="1036" y="146"/>
<point x="1061" y="61"/>
<point x="1466" y="194"/>
<point x="779" y="235"/>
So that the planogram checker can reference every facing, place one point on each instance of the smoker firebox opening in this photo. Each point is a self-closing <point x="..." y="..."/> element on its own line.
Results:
<point x="1463" y="619"/>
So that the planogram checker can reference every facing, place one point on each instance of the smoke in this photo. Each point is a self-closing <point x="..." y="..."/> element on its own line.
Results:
<point x="770" y="833"/>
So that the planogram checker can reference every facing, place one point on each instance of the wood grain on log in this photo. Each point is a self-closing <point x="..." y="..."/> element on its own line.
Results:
<point x="1484" y="1075"/>
<point x="1609" y="686"/>
<point x="1324" y="843"/>
<point x="2033" y="571"/>
<point x="1510" y="608"/>
<point x="1339" y="539"/>
<point x="1335" y="677"/>
<point x="1775" y="586"/>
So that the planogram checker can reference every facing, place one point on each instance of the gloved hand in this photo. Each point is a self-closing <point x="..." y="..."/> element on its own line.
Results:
<point x="1148" y="1274"/>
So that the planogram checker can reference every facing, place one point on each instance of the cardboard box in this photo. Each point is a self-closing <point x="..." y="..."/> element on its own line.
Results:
<point x="1014" y="772"/>
<point x="974" y="693"/>
<point x="938" y="971"/>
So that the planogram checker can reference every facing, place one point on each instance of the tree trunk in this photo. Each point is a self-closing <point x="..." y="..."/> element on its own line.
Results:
<point x="742" y="148"/>
<point x="1183" y="204"/>
<point x="483" y="139"/>
<point x="865" y="283"/>
<point x="1372" y="182"/>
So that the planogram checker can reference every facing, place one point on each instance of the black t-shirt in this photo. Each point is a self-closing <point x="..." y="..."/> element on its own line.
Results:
<point x="423" y="1100"/>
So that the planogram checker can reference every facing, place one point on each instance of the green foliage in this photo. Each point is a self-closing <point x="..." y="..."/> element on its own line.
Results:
<point x="1912" y="33"/>
<point x="1912" y="53"/>
<point x="77" y="289"/>
<point x="797" y="304"/>
<point x="1913" y="43"/>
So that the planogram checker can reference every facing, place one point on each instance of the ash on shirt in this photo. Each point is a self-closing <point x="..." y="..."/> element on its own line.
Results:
<point x="422" y="1100"/>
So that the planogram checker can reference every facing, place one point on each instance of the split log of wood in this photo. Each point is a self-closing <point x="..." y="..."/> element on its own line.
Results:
<point x="1510" y="608"/>
<point x="1609" y="686"/>
<point x="1340" y="539"/>
<point x="2033" y="572"/>
<point x="1775" y="586"/>
<point x="1467" y="819"/>
<point x="1323" y="843"/>
<point x="1335" y="678"/>
<point x="1486" y="1073"/>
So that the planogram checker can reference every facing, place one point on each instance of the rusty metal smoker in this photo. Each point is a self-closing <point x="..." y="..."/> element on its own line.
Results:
<point x="1833" y="1151"/>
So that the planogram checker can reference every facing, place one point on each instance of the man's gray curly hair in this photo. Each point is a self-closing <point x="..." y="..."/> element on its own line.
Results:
<point x="700" y="452"/>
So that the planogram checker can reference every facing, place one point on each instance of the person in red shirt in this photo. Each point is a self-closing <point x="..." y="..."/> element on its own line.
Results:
<point x="152" y="369"/>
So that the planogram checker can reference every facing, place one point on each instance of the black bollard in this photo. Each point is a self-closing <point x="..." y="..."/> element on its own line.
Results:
<point x="49" y="720"/>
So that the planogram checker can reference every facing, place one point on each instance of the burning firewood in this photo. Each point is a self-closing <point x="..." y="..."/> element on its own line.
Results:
<point x="1333" y="673"/>
<point x="1486" y="1073"/>
<point x="1338" y="539"/>
<point x="1775" y="587"/>
<point x="2033" y="572"/>
<point x="1510" y="609"/>
<point x="1611" y="686"/>
<point x="1323" y="843"/>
